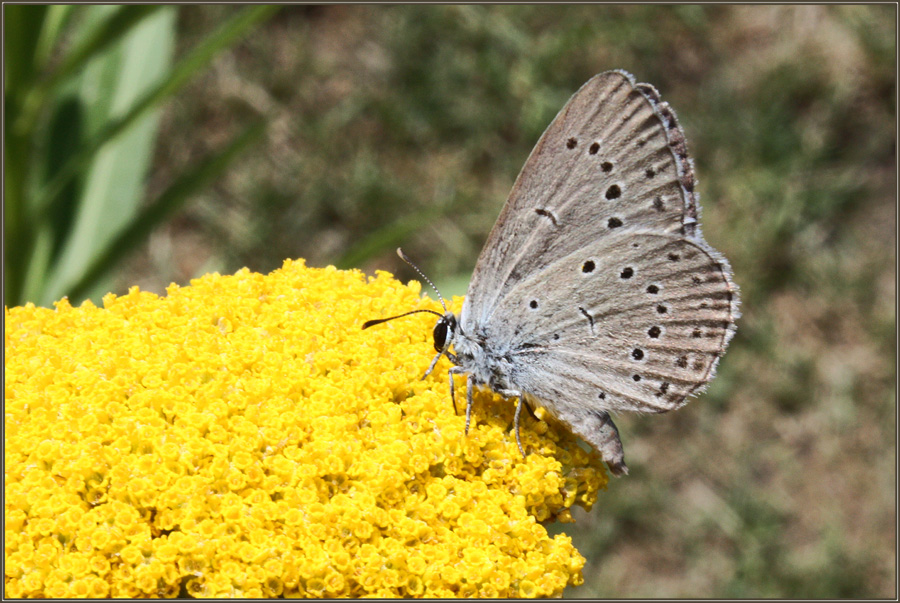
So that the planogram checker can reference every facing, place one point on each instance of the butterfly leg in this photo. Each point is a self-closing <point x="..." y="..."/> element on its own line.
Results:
<point x="469" y="384"/>
<point x="452" y="372"/>
<point x="516" y="424"/>
<point x="514" y="394"/>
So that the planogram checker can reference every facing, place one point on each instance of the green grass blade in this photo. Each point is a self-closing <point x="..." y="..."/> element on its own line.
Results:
<point x="168" y="202"/>
<point x="58" y="16"/>
<point x="387" y="237"/>
<point x="13" y="264"/>
<point x="92" y="208"/>
<point x="21" y="30"/>
<point x="21" y="27"/>
<point x="32" y="154"/>
<point x="112" y="30"/>
<point x="198" y="58"/>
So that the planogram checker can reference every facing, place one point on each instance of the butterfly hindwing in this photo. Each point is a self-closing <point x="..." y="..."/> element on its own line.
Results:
<point x="634" y="322"/>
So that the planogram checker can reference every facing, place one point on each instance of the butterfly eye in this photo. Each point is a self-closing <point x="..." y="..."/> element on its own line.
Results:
<point x="442" y="330"/>
<point x="440" y="335"/>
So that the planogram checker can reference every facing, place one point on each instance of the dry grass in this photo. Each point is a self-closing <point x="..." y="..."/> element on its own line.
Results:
<point x="407" y="125"/>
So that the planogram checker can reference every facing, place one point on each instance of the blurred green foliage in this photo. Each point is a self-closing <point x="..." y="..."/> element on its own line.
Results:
<point x="83" y="89"/>
<point x="406" y="125"/>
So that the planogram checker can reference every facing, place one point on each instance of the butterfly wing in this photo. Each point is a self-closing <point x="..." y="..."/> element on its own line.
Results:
<point x="602" y="221"/>
<point x="633" y="322"/>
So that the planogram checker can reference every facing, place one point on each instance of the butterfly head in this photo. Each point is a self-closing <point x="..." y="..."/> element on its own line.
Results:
<point x="446" y="329"/>
<point x="445" y="332"/>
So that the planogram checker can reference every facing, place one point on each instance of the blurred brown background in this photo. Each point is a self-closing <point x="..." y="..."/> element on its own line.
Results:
<point x="407" y="126"/>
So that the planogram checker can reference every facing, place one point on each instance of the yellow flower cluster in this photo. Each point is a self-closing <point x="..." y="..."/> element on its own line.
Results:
<point x="243" y="437"/>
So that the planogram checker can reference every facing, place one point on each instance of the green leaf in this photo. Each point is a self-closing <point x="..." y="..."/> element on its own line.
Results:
<point x="136" y="233"/>
<point x="54" y="24"/>
<point x="112" y="30"/>
<point x="198" y="58"/>
<point x="109" y="191"/>
<point x="22" y="26"/>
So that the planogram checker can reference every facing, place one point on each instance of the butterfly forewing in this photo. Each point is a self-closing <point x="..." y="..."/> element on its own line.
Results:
<point x="611" y="160"/>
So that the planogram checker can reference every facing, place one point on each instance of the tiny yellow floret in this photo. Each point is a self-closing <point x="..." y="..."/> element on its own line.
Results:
<point x="244" y="437"/>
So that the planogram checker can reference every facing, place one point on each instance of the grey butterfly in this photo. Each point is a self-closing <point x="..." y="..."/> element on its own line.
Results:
<point x="596" y="292"/>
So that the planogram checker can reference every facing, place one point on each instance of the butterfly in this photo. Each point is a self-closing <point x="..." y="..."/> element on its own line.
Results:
<point x="595" y="292"/>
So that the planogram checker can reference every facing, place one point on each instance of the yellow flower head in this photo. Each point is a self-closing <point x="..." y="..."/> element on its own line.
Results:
<point x="243" y="436"/>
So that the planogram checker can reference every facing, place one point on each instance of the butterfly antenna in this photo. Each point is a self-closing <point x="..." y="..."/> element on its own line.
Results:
<point x="377" y="321"/>
<point x="422" y="274"/>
